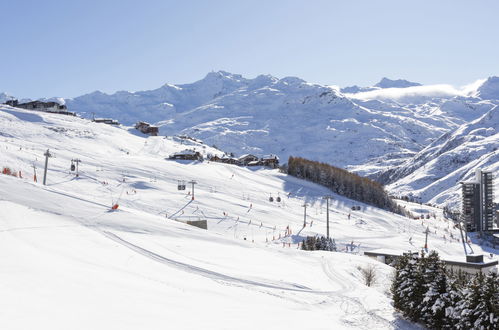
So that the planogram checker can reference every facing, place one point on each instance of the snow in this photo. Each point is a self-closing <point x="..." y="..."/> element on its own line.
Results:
<point x="386" y="129"/>
<point x="67" y="259"/>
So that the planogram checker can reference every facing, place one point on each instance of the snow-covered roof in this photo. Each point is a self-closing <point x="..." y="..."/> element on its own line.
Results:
<point x="270" y="157"/>
<point x="186" y="152"/>
<point x="246" y="156"/>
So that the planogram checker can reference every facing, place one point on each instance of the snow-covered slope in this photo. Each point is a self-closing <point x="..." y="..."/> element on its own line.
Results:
<point x="435" y="172"/>
<point x="67" y="259"/>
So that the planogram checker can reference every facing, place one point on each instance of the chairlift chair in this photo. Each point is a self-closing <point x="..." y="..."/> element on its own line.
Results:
<point x="271" y="199"/>
<point x="278" y="199"/>
<point x="73" y="167"/>
<point x="180" y="185"/>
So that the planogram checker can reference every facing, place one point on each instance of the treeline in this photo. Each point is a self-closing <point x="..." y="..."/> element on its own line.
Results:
<point x="426" y="293"/>
<point x="342" y="182"/>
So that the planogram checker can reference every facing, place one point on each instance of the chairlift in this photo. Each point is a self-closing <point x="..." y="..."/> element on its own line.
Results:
<point x="271" y="199"/>
<point x="181" y="185"/>
<point x="278" y="199"/>
<point x="73" y="167"/>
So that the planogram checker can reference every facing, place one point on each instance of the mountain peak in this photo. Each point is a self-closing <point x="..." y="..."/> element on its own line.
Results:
<point x="215" y="75"/>
<point x="489" y="89"/>
<point x="398" y="83"/>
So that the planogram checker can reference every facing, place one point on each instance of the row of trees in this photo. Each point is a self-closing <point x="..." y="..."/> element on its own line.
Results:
<point x="312" y="243"/>
<point x="426" y="293"/>
<point x="342" y="182"/>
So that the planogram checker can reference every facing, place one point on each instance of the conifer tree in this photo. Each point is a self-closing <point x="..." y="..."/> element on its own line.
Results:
<point x="435" y="300"/>
<point x="467" y="308"/>
<point x="486" y="312"/>
<point x="404" y="269"/>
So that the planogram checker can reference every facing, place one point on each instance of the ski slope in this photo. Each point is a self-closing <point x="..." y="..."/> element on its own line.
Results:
<point x="68" y="261"/>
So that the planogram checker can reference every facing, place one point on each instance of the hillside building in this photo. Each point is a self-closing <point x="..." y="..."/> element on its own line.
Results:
<point x="246" y="159"/>
<point x="478" y="202"/>
<point x="52" y="107"/>
<point x="146" y="128"/>
<point x="187" y="154"/>
<point x="108" y="121"/>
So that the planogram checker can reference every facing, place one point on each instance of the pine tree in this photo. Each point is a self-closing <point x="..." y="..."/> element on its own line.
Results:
<point x="467" y="308"/>
<point x="452" y="299"/>
<point x="435" y="300"/>
<point x="400" y="282"/>
<point x="486" y="312"/>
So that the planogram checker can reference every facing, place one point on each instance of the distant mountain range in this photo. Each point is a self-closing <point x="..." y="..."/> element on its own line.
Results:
<point x="419" y="139"/>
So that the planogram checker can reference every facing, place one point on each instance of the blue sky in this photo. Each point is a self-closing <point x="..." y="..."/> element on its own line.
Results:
<point x="68" y="48"/>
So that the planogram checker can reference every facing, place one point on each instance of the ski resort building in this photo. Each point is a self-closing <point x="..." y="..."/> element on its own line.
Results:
<point x="52" y="107"/>
<point x="146" y="128"/>
<point x="474" y="263"/>
<point x="477" y="202"/>
<point x="246" y="159"/>
<point x="108" y="121"/>
<point x="187" y="154"/>
<point x="271" y="161"/>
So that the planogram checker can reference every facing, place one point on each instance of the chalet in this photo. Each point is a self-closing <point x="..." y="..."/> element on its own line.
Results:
<point x="215" y="158"/>
<point x="187" y="154"/>
<point x="108" y="121"/>
<point x="255" y="163"/>
<point x="229" y="160"/>
<point x="146" y="128"/>
<point x="52" y="107"/>
<point x="271" y="161"/>
<point x="474" y="263"/>
<point x="245" y="159"/>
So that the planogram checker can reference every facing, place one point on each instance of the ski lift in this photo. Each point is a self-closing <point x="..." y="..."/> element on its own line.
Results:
<point x="181" y="185"/>
<point x="73" y="167"/>
<point x="278" y="199"/>
<point x="271" y="199"/>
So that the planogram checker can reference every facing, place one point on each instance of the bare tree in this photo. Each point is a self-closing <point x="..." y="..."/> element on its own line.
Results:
<point x="368" y="274"/>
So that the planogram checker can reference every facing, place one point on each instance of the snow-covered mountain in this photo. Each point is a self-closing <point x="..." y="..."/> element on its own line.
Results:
<point x="397" y="83"/>
<point x="489" y="90"/>
<point x="379" y="131"/>
<point x="435" y="172"/>
<point x="268" y="115"/>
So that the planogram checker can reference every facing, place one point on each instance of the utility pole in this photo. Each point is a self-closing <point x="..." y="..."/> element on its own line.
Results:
<point x="327" y="198"/>
<point x="77" y="161"/>
<point x="193" y="182"/>
<point x="304" y="214"/>
<point x="47" y="154"/>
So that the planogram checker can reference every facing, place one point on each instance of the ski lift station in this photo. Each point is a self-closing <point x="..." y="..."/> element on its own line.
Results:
<point x="474" y="263"/>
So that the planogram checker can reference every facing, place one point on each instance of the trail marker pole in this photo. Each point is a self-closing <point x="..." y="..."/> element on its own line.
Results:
<point x="47" y="154"/>
<point x="34" y="175"/>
